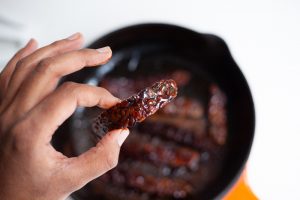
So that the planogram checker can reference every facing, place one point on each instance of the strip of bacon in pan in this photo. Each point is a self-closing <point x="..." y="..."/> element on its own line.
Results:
<point x="217" y="118"/>
<point x="159" y="152"/>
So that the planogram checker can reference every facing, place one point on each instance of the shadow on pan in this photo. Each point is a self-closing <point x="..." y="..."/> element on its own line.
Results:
<point x="204" y="54"/>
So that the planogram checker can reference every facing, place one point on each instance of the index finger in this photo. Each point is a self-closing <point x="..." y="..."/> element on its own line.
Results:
<point x="47" y="116"/>
<point x="48" y="73"/>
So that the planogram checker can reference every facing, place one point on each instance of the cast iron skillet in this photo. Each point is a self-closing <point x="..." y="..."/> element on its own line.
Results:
<point x="206" y="53"/>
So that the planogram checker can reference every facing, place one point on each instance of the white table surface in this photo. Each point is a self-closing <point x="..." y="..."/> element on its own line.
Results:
<point x="263" y="37"/>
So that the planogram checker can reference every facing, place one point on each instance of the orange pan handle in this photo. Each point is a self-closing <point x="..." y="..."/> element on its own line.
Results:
<point x="240" y="190"/>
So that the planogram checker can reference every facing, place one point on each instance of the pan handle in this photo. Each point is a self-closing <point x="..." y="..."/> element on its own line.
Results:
<point x="241" y="190"/>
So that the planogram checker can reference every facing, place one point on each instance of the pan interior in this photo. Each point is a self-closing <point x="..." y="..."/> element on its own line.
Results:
<point x="147" y="50"/>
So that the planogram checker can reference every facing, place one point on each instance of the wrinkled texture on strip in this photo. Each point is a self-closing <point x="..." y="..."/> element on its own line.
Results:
<point x="136" y="108"/>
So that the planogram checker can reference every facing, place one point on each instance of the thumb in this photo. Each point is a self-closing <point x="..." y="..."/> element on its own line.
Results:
<point x="97" y="160"/>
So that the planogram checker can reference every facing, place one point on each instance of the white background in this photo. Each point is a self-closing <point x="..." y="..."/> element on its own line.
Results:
<point x="263" y="37"/>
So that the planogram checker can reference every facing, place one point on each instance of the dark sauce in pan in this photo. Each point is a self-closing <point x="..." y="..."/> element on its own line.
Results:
<point x="175" y="153"/>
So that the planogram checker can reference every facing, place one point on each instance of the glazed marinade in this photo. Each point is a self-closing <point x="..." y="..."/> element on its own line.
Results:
<point x="136" y="108"/>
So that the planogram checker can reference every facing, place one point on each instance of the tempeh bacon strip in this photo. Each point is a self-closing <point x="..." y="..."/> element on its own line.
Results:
<point x="136" y="108"/>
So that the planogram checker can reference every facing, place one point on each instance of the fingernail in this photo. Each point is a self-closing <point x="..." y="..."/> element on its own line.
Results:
<point x="122" y="136"/>
<point x="104" y="50"/>
<point x="73" y="37"/>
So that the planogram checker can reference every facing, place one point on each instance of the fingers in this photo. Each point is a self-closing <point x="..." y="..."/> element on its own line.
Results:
<point x="50" y="70"/>
<point x="10" y="67"/>
<point x="25" y="66"/>
<point x="52" y="112"/>
<point x="46" y="117"/>
<point x="96" y="161"/>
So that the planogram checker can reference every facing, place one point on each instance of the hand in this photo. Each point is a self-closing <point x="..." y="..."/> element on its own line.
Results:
<point x="32" y="108"/>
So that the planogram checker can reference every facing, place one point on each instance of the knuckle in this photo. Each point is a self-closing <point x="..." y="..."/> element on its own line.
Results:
<point x="57" y="46"/>
<point x="71" y="89"/>
<point x="103" y="103"/>
<point x="86" y="51"/>
<point x="111" y="155"/>
<point x="45" y="65"/>
<point x="21" y="63"/>
<point x="20" y="142"/>
<point x="112" y="160"/>
<point x="89" y="56"/>
<point x="55" y="43"/>
<point x="70" y="86"/>
<point x="82" y="55"/>
<point x="111" y="151"/>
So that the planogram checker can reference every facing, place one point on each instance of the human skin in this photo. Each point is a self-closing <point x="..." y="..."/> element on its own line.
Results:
<point x="32" y="107"/>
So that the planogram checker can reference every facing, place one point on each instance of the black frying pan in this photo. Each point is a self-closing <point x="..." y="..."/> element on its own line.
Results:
<point x="204" y="53"/>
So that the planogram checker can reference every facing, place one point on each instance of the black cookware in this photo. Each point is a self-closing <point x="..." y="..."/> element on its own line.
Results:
<point x="203" y="53"/>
